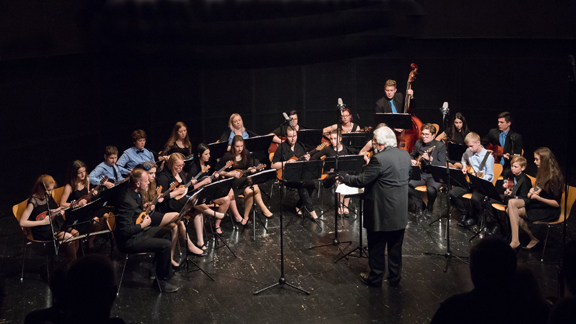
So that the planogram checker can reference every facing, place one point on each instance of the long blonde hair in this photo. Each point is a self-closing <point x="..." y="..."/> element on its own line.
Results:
<point x="43" y="181"/>
<point x="234" y="115"/>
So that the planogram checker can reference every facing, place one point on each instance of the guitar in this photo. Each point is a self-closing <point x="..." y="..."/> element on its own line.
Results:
<point x="189" y="183"/>
<point x="159" y="195"/>
<point x="89" y="196"/>
<point x="318" y="148"/>
<point x="497" y="151"/>
<point x="470" y="170"/>
<point x="420" y="159"/>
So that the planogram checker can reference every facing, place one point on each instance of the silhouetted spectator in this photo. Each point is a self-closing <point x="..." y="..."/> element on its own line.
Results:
<point x="57" y="313"/>
<point x="497" y="296"/>
<point x="565" y="310"/>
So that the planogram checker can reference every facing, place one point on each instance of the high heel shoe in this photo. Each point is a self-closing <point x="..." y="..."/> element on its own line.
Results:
<point x="201" y="247"/>
<point x="203" y="254"/>
<point x="216" y="214"/>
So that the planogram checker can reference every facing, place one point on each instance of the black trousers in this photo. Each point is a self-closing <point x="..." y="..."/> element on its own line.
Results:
<point x="432" y="188"/>
<point x="377" y="243"/>
<point x="154" y="239"/>
<point x="305" y="191"/>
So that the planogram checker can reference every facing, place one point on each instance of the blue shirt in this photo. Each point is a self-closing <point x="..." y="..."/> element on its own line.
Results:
<point x="475" y="159"/>
<point x="104" y="169"/>
<point x="130" y="158"/>
<point x="232" y="134"/>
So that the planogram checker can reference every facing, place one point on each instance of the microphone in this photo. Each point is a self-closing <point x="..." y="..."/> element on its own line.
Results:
<point x="341" y="104"/>
<point x="445" y="110"/>
<point x="286" y="118"/>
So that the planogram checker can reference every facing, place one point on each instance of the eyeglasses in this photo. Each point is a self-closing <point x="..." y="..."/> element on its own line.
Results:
<point x="426" y="134"/>
<point x="179" y="165"/>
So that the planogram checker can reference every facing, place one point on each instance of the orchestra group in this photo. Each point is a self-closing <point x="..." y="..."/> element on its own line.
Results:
<point x="148" y="214"/>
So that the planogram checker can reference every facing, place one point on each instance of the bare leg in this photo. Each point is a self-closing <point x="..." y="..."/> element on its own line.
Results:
<point x="174" y="232"/>
<point x="191" y="247"/>
<point x="199" y="226"/>
<point x="533" y="239"/>
<point x="346" y="201"/>
<point x="515" y="210"/>
<point x="234" y="207"/>
<point x="248" y="200"/>
<point x="260" y="202"/>
<point x="224" y="203"/>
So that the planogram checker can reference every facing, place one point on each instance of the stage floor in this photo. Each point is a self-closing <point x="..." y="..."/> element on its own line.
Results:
<point x="337" y="296"/>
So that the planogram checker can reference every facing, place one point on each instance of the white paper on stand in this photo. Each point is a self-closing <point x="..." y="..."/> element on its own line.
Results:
<point x="347" y="190"/>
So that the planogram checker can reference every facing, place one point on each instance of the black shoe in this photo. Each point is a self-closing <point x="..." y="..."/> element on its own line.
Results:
<point x="165" y="286"/>
<point x="364" y="280"/>
<point x="470" y="222"/>
<point x="152" y="275"/>
<point x="203" y="254"/>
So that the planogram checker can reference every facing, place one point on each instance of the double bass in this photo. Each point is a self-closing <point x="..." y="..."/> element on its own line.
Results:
<point x="408" y="137"/>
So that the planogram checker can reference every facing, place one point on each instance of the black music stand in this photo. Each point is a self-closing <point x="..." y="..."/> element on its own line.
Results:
<point x="211" y="192"/>
<point x="218" y="149"/>
<point x="258" y="143"/>
<point x="346" y="164"/>
<point x="309" y="137"/>
<point x="457" y="178"/>
<point x="415" y="174"/>
<point x="300" y="171"/>
<point x="394" y="121"/>
<point x="455" y="151"/>
<point x="110" y="195"/>
<point x="356" y="139"/>
<point x="486" y="188"/>
<point x="253" y="179"/>
<point x="188" y="206"/>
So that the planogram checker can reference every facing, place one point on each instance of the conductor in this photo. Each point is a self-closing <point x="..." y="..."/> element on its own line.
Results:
<point x="385" y="180"/>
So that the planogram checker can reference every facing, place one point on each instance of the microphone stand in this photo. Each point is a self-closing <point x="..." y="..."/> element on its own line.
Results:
<point x="448" y="255"/>
<point x="50" y="218"/>
<point x="282" y="280"/>
<point x="335" y="241"/>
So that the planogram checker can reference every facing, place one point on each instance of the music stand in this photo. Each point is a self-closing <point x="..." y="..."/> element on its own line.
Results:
<point x="346" y="164"/>
<point x="394" y="121"/>
<point x="486" y="188"/>
<point x="362" y="251"/>
<point x="211" y="192"/>
<point x="253" y="179"/>
<point x="82" y="216"/>
<point x="455" y="151"/>
<point x="258" y="143"/>
<point x="218" y="148"/>
<point x="415" y="174"/>
<point x="309" y="137"/>
<point x="457" y="178"/>
<point x="356" y="139"/>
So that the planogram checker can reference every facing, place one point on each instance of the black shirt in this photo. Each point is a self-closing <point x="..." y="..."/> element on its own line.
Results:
<point x="284" y="152"/>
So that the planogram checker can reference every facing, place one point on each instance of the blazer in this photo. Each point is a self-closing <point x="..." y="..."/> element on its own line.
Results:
<point x="522" y="187"/>
<point x="493" y="137"/>
<point x="385" y="181"/>
<point x="383" y="104"/>
<point x="438" y="155"/>
<point x="129" y="208"/>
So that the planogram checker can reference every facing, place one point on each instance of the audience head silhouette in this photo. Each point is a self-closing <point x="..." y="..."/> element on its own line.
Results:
<point x="492" y="264"/>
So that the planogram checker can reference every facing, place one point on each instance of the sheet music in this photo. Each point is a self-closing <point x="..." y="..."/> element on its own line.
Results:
<point x="347" y="190"/>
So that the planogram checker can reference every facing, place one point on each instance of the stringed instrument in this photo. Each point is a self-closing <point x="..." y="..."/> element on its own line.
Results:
<point x="250" y="169"/>
<point x="294" y="158"/>
<point x="43" y="215"/>
<point x="420" y="159"/>
<point x="228" y="164"/>
<point x="89" y="196"/>
<point x="274" y="146"/>
<point x="509" y="185"/>
<point x="408" y="137"/>
<point x="159" y="195"/>
<point x="470" y="170"/>
<point x="189" y="183"/>
<point x="497" y="151"/>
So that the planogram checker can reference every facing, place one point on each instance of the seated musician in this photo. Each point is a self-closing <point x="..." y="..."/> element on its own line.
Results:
<point x="77" y="187"/>
<point x="542" y="202"/>
<point x="281" y="131"/>
<point x="346" y="124"/>
<point x="225" y="203"/>
<point x="135" y="238"/>
<point x="508" y="140"/>
<point x="38" y="204"/>
<point x="436" y="156"/>
<point x="243" y="161"/>
<point x="179" y="141"/>
<point x="291" y="148"/>
<point x="457" y="132"/>
<point x="235" y="128"/>
<point x="519" y="184"/>
<point x="173" y="173"/>
<point x="137" y="154"/>
<point x="477" y="161"/>
<point x="393" y="101"/>
<point x="330" y="151"/>
<point x="108" y="168"/>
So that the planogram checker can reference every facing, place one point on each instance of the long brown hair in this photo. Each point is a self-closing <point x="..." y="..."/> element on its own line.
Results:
<point x="243" y="154"/>
<point x="549" y="177"/>
<point x="73" y="175"/>
<point x="150" y="194"/>
<point x="174" y="137"/>
<point x="453" y="129"/>
<point x="41" y="182"/>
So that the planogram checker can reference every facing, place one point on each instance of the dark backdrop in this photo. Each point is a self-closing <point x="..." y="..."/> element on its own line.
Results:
<point x="63" y="98"/>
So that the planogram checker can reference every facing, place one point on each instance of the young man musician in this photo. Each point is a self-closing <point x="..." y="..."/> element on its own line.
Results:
<point x="477" y="157"/>
<point x="393" y="101"/>
<point x="431" y="152"/>
<point x="137" y="154"/>
<point x="108" y="168"/>
<point x="136" y="238"/>
<point x="503" y="136"/>
<point x="281" y="131"/>
<point x="288" y="149"/>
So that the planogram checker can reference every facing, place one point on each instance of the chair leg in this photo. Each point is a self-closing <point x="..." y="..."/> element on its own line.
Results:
<point x="545" y="242"/>
<point x="122" y="275"/>
<point x="24" y="244"/>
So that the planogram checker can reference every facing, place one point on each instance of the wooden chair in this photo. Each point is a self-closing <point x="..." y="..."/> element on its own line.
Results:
<point x="57" y="194"/>
<point x="497" y="172"/>
<point x="564" y="211"/>
<point x="18" y="210"/>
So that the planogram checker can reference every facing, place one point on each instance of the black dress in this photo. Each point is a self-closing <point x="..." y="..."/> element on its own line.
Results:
<point x="43" y="233"/>
<point x="542" y="212"/>
<point x="186" y="151"/>
<point x="241" y="183"/>
<point x="165" y="179"/>
<point x="457" y="137"/>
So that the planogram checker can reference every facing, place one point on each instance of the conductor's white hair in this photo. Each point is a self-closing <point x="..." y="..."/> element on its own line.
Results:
<point x="384" y="135"/>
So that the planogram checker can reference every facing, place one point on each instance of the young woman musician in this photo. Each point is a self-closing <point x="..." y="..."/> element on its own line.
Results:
<point x="543" y="202"/>
<point x="179" y="141"/>
<point x="457" y="132"/>
<point x="37" y="204"/>
<point x="236" y="128"/>
<point x="201" y="163"/>
<point x="242" y="161"/>
<point x="173" y="174"/>
<point x="346" y="123"/>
